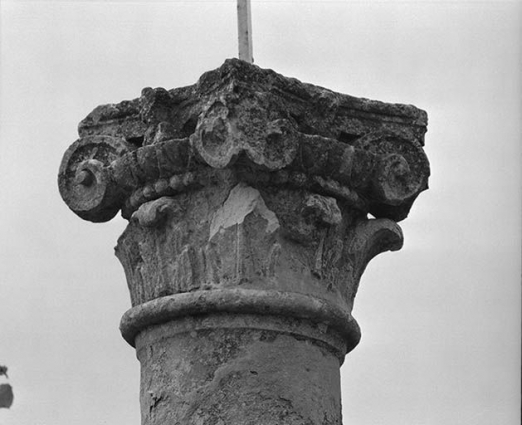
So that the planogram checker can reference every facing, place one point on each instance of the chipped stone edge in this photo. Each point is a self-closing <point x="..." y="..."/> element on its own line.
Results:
<point x="242" y="200"/>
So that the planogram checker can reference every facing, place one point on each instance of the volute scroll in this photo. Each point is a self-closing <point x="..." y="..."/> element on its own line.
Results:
<point x="85" y="181"/>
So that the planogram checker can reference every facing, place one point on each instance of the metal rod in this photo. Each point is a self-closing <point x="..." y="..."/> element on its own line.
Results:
<point x="244" y="26"/>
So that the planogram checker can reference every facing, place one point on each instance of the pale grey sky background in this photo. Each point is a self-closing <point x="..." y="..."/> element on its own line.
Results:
<point x="440" y="318"/>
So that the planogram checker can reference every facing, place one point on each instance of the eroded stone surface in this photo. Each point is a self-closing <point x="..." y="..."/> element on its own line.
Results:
<point x="236" y="376"/>
<point x="259" y="122"/>
<point x="249" y="197"/>
<point x="242" y="201"/>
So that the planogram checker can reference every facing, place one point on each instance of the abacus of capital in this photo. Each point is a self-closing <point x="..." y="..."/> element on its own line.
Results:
<point x="248" y="196"/>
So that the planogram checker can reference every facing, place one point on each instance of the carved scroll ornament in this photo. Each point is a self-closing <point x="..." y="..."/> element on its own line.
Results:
<point x="166" y="142"/>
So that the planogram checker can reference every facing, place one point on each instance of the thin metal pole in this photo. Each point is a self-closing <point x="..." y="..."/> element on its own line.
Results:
<point x="244" y="26"/>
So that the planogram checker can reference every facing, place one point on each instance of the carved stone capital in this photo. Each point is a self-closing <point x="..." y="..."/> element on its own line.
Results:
<point x="254" y="121"/>
<point x="248" y="197"/>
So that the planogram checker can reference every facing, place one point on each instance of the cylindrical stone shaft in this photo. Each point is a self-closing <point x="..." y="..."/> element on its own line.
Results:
<point x="237" y="370"/>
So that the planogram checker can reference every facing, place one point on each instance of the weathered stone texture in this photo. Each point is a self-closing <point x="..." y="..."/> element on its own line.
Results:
<point x="237" y="370"/>
<point x="366" y="152"/>
<point x="248" y="197"/>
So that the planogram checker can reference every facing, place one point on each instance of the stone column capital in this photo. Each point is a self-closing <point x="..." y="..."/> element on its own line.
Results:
<point x="242" y="117"/>
<point x="249" y="197"/>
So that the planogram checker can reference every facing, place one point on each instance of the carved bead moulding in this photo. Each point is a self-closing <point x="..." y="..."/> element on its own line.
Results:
<point x="271" y="129"/>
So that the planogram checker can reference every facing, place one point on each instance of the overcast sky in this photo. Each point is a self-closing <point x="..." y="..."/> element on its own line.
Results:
<point x="440" y="318"/>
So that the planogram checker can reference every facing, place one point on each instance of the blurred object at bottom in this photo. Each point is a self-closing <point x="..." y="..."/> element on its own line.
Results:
<point x="6" y="396"/>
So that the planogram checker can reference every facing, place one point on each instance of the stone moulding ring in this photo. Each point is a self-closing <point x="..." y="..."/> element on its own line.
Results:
<point x="240" y="301"/>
